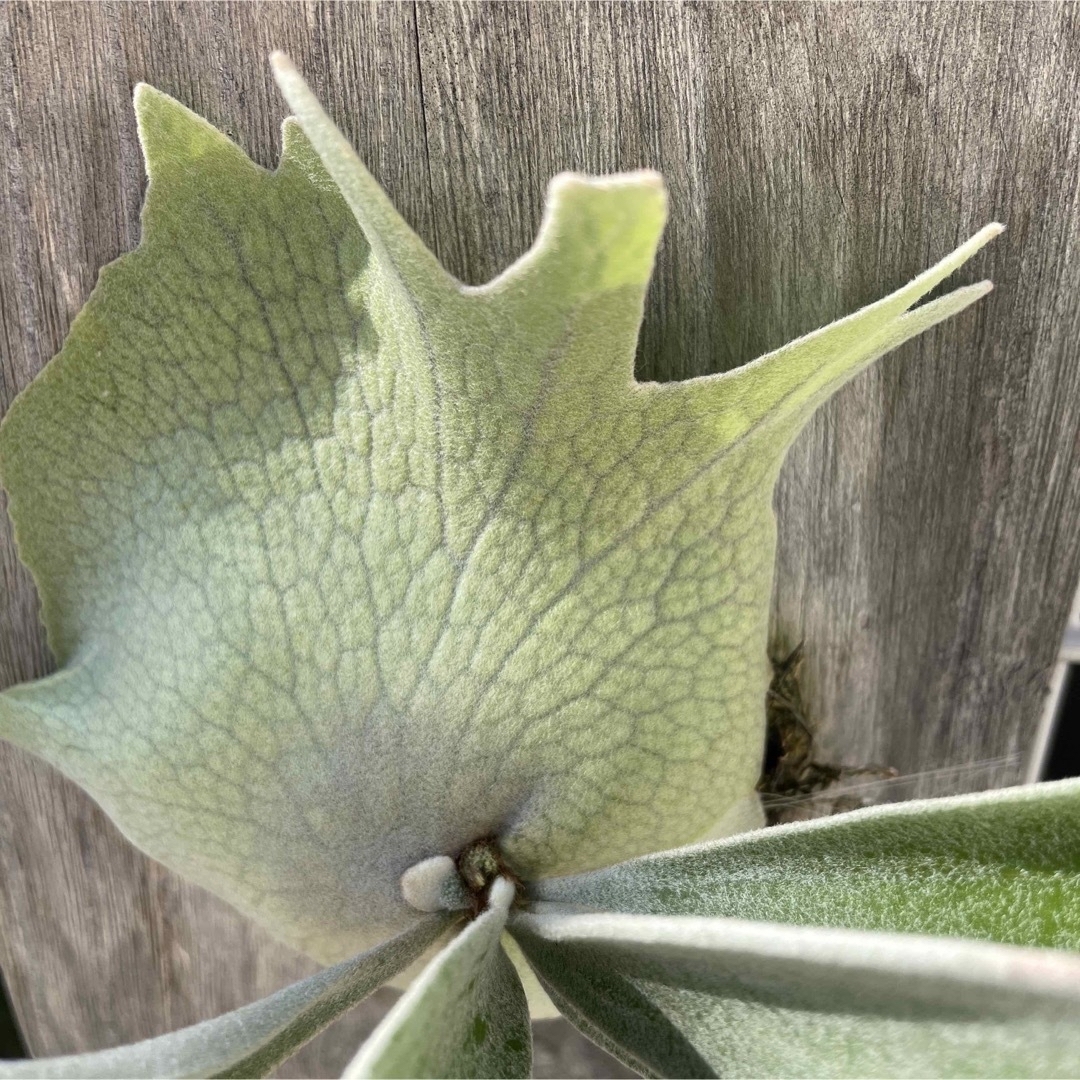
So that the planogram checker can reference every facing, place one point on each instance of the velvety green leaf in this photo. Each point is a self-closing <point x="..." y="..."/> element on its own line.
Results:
<point x="253" y="1040"/>
<point x="347" y="565"/>
<point x="465" y="1016"/>
<point x="1001" y="865"/>
<point x="684" y="996"/>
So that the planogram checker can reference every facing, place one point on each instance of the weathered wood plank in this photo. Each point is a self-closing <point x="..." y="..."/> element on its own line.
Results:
<point x="930" y="554"/>
<point x="816" y="155"/>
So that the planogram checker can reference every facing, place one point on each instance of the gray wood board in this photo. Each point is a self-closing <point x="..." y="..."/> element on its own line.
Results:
<point x="817" y="156"/>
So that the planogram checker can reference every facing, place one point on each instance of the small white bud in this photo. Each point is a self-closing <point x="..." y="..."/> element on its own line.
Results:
<point x="434" y="885"/>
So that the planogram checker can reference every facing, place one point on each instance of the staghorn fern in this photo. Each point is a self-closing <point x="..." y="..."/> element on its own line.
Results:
<point x="398" y="614"/>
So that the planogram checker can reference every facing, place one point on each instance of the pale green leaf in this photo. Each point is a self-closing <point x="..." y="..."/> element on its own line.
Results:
<point x="464" y="1016"/>
<point x="685" y="996"/>
<point x="347" y="565"/>
<point x="1001" y="866"/>
<point x="253" y="1040"/>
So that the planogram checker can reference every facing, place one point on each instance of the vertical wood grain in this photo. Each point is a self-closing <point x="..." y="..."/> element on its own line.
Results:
<point x="817" y="156"/>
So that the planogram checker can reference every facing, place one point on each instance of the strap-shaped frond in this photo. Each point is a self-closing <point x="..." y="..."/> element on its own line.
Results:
<point x="465" y="1015"/>
<point x="685" y="996"/>
<point x="999" y="865"/>
<point x="250" y="1041"/>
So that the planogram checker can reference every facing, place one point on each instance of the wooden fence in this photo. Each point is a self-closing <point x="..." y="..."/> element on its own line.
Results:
<point x="817" y="157"/>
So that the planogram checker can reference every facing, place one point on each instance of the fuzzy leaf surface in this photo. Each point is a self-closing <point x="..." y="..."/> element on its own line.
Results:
<point x="346" y="565"/>
<point x="252" y="1040"/>
<point x="685" y="996"/>
<point x="999" y="866"/>
<point x="464" y="1016"/>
